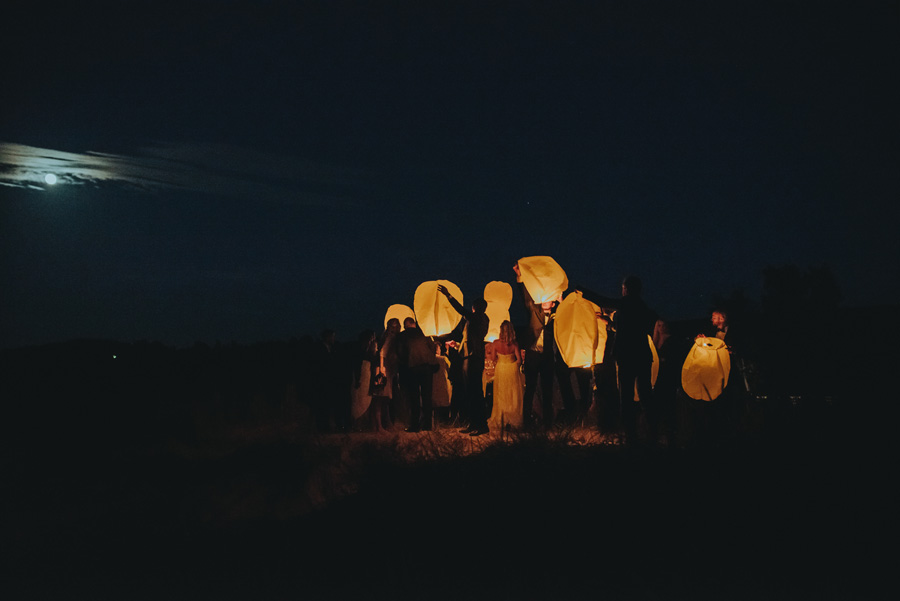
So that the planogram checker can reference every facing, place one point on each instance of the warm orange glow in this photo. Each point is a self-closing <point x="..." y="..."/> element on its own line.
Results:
<point x="706" y="368"/>
<point x="499" y="297"/>
<point x="576" y="331"/>
<point x="401" y="312"/>
<point x="435" y="314"/>
<point x="543" y="278"/>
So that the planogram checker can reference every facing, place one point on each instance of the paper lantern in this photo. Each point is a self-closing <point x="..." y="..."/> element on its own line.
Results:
<point x="435" y="314"/>
<point x="401" y="312"/>
<point x="499" y="297"/>
<point x="705" y="371"/>
<point x="543" y="278"/>
<point x="575" y="331"/>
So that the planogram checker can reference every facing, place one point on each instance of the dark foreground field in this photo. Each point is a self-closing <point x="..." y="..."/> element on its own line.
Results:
<point x="272" y="514"/>
<point x="191" y="475"/>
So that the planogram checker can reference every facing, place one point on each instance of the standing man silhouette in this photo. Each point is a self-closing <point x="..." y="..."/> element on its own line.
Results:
<point x="476" y="329"/>
<point x="542" y="358"/>
<point x="633" y="321"/>
<point x="417" y="363"/>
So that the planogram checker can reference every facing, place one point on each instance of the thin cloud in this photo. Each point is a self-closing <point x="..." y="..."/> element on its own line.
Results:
<point x="219" y="170"/>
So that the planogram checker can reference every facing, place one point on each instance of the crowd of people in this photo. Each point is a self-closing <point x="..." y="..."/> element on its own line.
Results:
<point x="406" y="380"/>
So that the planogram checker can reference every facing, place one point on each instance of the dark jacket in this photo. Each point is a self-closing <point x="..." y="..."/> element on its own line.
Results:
<point x="477" y="325"/>
<point x="535" y="318"/>
<point x="415" y="349"/>
<point x="633" y="321"/>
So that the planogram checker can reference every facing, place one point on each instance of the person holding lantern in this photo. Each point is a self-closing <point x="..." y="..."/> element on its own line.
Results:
<point x="728" y="408"/>
<point x="542" y="358"/>
<point x="633" y="322"/>
<point x="476" y="328"/>
<point x="718" y="327"/>
<point x="668" y="381"/>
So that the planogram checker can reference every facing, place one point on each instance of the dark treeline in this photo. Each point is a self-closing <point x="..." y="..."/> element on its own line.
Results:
<point x="100" y="392"/>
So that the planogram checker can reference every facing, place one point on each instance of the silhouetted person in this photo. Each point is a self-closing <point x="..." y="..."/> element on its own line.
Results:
<point x="457" y="375"/>
<point x="442" y="388"/>
<point x="384" y="382"/>
<point x="477" y="323"/>
<point x="634" y="322"/>
<point x="728" y="407"/>
<point x="417" y="365"/>
<point x="606" y="380"/>
<point x="542" y="359"/>
<point x="365" y="361"/>
<point x="580" y="409"/>
<point x="668" y="378"/>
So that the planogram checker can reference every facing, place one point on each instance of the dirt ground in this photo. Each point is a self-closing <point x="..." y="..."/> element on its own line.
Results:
<point x="273" y="513"/>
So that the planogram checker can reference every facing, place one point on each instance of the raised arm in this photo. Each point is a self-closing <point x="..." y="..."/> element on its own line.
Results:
<point x="454" y="336"/>
<point x="598" y="299"/>
<point x="453" y="302"/>
<point x="526" y="297"/>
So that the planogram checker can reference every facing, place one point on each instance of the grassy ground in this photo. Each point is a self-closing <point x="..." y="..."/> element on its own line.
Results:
<point x="273" y="512"/>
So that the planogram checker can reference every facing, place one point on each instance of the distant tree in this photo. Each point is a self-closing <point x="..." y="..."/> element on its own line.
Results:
<point x="801" y="315"/>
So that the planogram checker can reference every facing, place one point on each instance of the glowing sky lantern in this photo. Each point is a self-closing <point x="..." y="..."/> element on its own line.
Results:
<point x="499" y="297"/>
<point x="435" y="314"/>
<point x="401" y="312"/>
<point x="543" y="278"/>
<point x="576" y="331"/>
<point x="705" y="371"/>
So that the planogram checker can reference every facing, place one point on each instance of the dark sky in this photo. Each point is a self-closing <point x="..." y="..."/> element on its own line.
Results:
<point x="253" y="171"/>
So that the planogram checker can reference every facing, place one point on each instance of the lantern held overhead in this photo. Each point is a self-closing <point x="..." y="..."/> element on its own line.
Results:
<point x="543" y="278"/>
<point x="498" y="296"/>
<point x="434" y="313"/>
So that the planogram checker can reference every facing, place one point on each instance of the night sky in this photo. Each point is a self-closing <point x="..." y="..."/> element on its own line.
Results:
<point x="236" y="171"/>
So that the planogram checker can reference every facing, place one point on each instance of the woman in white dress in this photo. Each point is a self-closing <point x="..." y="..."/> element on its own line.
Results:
<point x="366" y="361"/>
<point x="508" y="382"/>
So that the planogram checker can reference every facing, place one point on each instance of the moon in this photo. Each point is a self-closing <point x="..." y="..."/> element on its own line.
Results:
<point x="50" y="178"/>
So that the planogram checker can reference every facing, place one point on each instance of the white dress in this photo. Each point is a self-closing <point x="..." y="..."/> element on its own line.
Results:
<point x="508" y="392"/>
